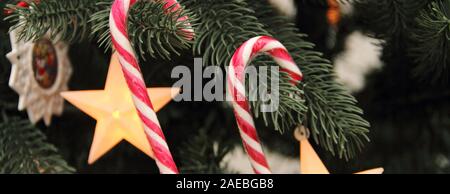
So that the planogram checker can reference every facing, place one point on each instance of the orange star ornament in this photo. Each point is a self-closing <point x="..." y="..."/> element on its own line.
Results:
<point x="310" y="163"/>
<point x="116" y="116"/>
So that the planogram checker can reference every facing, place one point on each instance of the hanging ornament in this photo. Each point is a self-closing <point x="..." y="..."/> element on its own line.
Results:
<point x="333" y="18"/>
<point x="310" y="163"/>
<point x="134" y="78"/>
<point x="333" y="13"/>
<point x="40" y="71"/>
<point x="116" y="116"/>
<point x="241" y="58"/>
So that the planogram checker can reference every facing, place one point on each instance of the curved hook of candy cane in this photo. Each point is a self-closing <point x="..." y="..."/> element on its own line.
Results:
<point x="241" y="58"/>
<point x="175" y="6"/>
<point x="135" y="81"/>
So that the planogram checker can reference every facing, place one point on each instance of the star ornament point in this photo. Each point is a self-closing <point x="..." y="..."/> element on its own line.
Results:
<point x="117" y="118"/>
<point x="310" y="162"/>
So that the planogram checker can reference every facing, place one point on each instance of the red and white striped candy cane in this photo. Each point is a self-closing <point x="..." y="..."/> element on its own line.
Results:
<point x="135" y="81"/>
<point x="236" y="70"/>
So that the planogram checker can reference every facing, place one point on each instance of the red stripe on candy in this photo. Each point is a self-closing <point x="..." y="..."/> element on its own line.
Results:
<point x="129" y="57"/>
<point x="261" y="43"/>
<point x="119" y="17"/>
<point x="165" y="158"/>
<point x="247" y="128"/>
<point x="151" y="125"/>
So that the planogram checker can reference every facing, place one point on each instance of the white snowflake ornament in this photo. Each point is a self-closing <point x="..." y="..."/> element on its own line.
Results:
<point x="40" y="72"/>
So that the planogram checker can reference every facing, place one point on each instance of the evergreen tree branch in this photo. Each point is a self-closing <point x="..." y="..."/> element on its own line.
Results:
<point x="335" y="120"/>
<point x="62" y="19"/>
<point x="203" y="154"/>
<point x="151" y="28"/>
<point x="388" y="19"/>
<point x="23" y="150"/>
<point x="416" y="29"/>
<point x="431" y="36"/>
<point x="223" y="26"/>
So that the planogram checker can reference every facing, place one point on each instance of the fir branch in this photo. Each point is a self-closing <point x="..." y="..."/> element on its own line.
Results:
<point x="61" y="19"/>
<point x="335" y="120"/>
<point x="23" y="150"/>
<point x="202" y="154"/>
<point x="223" y="26"/>
<point x="431" y="36"/>
<point x="292" y="109"/>
<point x="415" y="29"/>
<point x="151" y="28"/>
<point x="388" y="19"/>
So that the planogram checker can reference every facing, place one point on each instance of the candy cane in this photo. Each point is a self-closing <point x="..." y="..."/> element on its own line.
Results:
<point x="135" y="81"/>
<point x="236" y="70"/>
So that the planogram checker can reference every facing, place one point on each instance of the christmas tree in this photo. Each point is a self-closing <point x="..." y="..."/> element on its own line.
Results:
<point x="354" y="116"/>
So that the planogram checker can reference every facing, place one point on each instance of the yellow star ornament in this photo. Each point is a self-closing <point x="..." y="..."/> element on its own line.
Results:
<point x="310" y="163"/>
<point x="116" y="116"/>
